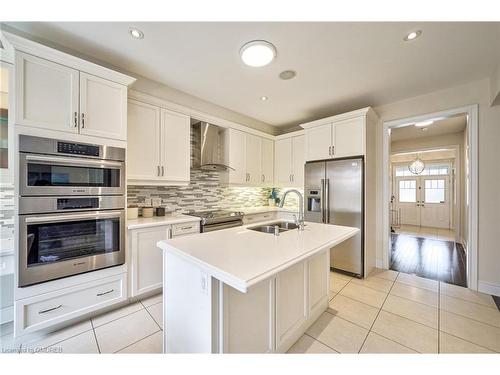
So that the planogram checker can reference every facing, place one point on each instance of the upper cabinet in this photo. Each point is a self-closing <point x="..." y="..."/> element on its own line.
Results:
<point x="158" y="149"/>
<point x="251" y="157"/>
<point x="103" y="107"/>
<point x="289" y="161"/>
<point x="47" y="94"/>
<point x="337" y="136"/>
<point x="60" y="92"/>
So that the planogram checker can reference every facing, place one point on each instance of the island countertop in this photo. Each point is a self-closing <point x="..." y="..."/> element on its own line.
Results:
<point x="240" y="257"/>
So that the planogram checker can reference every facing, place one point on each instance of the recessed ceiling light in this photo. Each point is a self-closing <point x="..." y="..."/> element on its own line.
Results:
<point x="424" y="123"/>
<point x="136" y="33"/>
<point x="287" y="74"/>
<point x="257" y="53"/>
<point x="413" y="35"/>
<point x="264" y="98"/>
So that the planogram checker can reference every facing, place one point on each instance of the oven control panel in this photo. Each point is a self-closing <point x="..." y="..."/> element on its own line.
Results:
<point x="77" y="203"/>
<point x="77" y="149"/>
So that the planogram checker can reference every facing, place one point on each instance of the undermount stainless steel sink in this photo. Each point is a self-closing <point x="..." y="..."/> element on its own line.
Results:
<point x="269" y="228"/>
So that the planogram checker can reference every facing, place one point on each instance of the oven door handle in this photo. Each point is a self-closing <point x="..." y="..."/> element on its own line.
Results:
<point x="73" y="161"/>
<point x="97" y="215"/>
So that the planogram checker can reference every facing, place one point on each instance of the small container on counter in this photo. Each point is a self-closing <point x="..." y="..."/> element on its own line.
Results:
<point x="147" y="212"/>
<point x="132" y="212"/>
<point x="160" y="211"/>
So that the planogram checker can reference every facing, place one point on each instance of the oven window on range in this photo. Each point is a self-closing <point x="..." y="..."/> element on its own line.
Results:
<point x="54" y="242"/>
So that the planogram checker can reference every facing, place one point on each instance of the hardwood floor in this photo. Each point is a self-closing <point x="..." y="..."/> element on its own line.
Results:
<point x="430" y="258"/>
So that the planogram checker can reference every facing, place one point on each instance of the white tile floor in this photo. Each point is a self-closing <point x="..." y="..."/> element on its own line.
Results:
<point x="427" y="232"/>
<point x="388" y="312"/>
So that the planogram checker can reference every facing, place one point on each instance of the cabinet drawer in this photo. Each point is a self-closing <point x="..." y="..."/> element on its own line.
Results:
<point x="185" y="228"/>
<point x="55" y="307"/>
<point x="255" y="218"/>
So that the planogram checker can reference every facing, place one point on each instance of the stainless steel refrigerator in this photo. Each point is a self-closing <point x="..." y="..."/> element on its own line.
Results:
<point x="334" y="194"/>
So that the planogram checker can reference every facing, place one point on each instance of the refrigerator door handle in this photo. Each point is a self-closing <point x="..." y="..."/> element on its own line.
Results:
<point x="327" y="200"/>
<point x="322" y="197"/>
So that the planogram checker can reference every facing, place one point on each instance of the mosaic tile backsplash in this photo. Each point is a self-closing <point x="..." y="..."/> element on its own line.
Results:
<point x="205" y="191"/>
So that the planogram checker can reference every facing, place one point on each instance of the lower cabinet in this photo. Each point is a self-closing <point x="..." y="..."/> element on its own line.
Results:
<point x="146" y="259"/>
<point x="274" y="313"/>
<point x="146" y="265"/>
<point x="48" y="309"/>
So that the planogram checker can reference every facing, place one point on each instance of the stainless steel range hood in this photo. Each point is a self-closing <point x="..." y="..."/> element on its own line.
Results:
<point x="212" y="148"/>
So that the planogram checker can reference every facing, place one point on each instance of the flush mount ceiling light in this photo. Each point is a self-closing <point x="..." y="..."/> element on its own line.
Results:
<point x="264" y="98"/>
<point x="424" y="123"/>
<point x="135" y="33"/>
<point x="257" y="53"/>
<point x="287" y="74"/>
<point x="413" y="35"/>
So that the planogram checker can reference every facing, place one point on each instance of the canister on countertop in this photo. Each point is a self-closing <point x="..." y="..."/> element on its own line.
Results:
<point x="132" y="212"/>
<point x="147" y="212"/>
<point x="160" y="211"/>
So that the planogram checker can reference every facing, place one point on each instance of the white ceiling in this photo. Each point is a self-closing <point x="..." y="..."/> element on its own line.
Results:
<point x="441" y="127"/>
<point x="340" y="66"/>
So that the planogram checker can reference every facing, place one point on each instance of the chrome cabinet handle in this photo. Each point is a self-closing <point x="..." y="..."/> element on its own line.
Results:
<point x="158" y="170"/>
<point x="83" y="120"/>
<point x="162" y="171"/>
<point x="76" y="119"/>
<point x="293" y="177"/>
<point x="49" y="310"/>
<point x="103" y="293"/>
<point x="263" y="178"/>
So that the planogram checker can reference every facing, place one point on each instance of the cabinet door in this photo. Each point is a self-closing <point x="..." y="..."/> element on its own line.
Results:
<point x="319" y="142"/>
<point x="298" y="147"/>
<point x="236" y="150"/>
<point x="143" y="146"/>
<point x="46" y="94"/>
<point x="349" y="136"/>
<point x="267" y="161"/>
<point x="283" y="161"/>
<point x="175" y="146"/>
<point x="318" y="273"/>
<point x="103" y="107"/>
<point x="253" y="159"/>
<point x="147" y="258"/>
<point x="247" y="319"/>
<point x="291" y="309"/>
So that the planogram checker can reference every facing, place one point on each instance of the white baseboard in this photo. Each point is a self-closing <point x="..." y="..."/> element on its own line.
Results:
<point x="489" y="287"/>
<point x="379" y="263"/>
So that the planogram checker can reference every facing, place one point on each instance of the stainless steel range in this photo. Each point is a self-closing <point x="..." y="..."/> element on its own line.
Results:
<point x="71" y="208"/>
<point x="218" y="219"/>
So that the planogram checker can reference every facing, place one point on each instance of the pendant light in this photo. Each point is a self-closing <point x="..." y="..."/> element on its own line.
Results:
<point x="416" y="166"/>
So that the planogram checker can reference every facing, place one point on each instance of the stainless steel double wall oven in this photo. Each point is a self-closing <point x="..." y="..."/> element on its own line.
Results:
<point x="71" y="208"/>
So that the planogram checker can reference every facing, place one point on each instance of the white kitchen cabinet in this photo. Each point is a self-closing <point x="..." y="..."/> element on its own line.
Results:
<point x="235" y="156"/>
<point x="349" y="138"/>
<point x="59" y="92"/>
<point x="291" y="305"/>
<point x="253" y="159"/>
<point x="47" y="94"/>
<point x="175" y="146"/>
<point x="337" y="136"/>
<point x="267" y="152"/>
<point x="248" y="319"/>
<point x="103" y="107"/>
<point x="158" y="150"/>
<point x="143" y="148"/>
<point x="318" y="274"/>
<point x="289" y="161"/>
<point x="251" y="156"/>
<point x="146" y="259"/>
<point x="319" y="142"/>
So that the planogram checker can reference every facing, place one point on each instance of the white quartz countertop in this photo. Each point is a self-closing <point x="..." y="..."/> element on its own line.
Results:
<point x="143" y="222"/>
<point x="241" y="257"/>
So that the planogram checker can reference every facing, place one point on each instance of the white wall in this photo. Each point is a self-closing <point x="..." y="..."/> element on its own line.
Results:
<point x="477" y="92"/>
<point x="495" y="87"/>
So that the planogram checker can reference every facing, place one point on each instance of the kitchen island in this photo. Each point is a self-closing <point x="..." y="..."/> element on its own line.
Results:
<point x="244" y="291"/>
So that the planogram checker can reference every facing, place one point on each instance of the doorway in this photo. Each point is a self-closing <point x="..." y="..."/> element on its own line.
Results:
<point x="428" y="212"/>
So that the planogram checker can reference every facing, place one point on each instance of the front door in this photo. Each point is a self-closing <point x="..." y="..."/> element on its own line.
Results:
<point x="424" y="200"/>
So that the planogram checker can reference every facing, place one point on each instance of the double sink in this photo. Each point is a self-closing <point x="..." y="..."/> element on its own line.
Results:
<point x="270" y="228"/>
